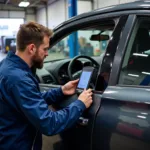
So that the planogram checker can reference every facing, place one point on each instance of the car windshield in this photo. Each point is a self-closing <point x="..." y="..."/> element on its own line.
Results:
<point x="89" y="42"/>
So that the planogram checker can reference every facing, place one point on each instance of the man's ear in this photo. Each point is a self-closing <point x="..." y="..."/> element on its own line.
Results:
<point x="32" y="49"/>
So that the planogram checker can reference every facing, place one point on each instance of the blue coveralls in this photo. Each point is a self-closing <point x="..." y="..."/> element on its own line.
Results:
<point x="24" y="109"/>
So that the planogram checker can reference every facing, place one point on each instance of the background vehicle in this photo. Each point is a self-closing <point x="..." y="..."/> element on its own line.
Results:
<point x="120" y="115"/>
<point x="8" y="43"/>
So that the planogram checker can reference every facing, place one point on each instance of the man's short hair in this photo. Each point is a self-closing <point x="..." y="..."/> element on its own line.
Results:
<point x="31" y="32"/>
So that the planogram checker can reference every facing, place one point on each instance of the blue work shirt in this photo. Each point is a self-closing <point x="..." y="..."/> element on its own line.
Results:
<point x="24" y="109"/>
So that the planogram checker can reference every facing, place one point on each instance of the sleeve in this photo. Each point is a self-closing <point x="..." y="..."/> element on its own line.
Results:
<point x="34" y="107"/>
<point x="53" y="95"/>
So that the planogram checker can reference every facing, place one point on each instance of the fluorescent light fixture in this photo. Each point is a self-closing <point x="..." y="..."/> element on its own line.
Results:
<point x="143" y="113"/>
<point x="133" y="75"/>
<point x="142" y="55"/>
<point x="147" y="73"/>
<point x="142" y="117"/>
<point x="24" y="4"/>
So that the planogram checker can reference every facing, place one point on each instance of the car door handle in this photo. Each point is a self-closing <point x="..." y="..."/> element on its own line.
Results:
<point x="83" y="121"/>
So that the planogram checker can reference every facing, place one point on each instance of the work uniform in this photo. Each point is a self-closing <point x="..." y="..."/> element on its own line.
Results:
<point x="24" y="109"/>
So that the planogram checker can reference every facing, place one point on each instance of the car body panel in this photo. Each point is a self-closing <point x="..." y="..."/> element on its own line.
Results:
<point x="123" y="120"/>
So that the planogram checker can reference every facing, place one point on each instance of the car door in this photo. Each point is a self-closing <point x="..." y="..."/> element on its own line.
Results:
<point x="123" y="121"/>
<point x="80" y="136"/>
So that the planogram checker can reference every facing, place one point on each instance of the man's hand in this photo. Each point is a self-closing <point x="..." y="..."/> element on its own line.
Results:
<point x="70" y="87"/>
<point x="86" y="97"/>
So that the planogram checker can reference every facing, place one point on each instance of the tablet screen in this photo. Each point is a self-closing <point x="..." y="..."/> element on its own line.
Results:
<point x="84" y="79"/>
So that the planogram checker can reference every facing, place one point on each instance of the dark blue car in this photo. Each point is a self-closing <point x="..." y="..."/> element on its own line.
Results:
<point x="119" y="118"/>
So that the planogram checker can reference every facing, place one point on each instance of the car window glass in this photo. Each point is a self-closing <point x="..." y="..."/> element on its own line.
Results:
<point x="86" y="45"/>
<point x="135" y="68"/>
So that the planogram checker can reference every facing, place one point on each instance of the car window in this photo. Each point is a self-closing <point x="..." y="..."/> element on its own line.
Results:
<point x="88" y="42"/>
<point x="135" y="69"/>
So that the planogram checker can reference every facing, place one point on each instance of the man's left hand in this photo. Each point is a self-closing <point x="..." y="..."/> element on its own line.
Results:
<point x="70" y="87"/>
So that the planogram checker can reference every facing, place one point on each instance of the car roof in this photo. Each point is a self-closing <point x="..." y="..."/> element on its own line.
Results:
<point x="137" y="5"/>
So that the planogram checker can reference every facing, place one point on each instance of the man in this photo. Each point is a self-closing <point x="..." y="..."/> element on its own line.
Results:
<point x="24" y="109"/>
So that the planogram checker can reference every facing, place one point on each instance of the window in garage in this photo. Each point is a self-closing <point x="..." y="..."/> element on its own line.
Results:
<point x="9" y="27"/>
<point x="135" y="68"/>
<point x="89" y="43"/>
<point x="8" y="30"/>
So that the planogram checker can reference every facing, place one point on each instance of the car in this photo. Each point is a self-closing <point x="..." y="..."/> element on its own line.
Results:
<point x="116" y="41"/>
<point x="8" y="44"/>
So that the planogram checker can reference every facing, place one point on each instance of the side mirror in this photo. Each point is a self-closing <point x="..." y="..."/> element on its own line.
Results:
<point x="99" y="37"/>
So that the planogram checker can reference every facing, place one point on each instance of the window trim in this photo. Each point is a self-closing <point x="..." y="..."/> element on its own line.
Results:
<point x="124" y="40"/>
<point x="109" y="55"/>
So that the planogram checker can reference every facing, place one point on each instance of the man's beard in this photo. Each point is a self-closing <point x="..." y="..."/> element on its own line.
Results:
<point x="37" y="61"/>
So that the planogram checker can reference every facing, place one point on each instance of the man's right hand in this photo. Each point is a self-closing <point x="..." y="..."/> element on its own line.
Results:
<point x="86" y="97"/>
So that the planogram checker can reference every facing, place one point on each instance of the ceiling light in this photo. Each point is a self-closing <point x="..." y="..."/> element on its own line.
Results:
<point x="24" y="4"/>
<point x="133" y="75"/>
<point x="142" y="55"/>
<point x="147" y="73"/>
<point x="142" y="117"/>
<point x="143" y="113"/>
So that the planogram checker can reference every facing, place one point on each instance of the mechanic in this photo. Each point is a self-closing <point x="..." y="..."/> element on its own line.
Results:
<point x="24" y="113"/>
